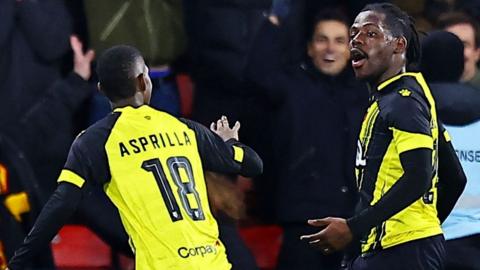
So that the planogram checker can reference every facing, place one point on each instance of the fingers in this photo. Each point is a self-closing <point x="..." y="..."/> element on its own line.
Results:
<point x="219" y="123"/>
<point x="319" y="236"/>
<point x="212" y="126"/>
<point x="236" y="127"/>
<point x="76" y="45"/>
<point x="225" y="121"/>
<point x="319" y="222"/>
<point x="318" y="240"/>
<point x="311" y="238"/>
<point x="90" y="55"/>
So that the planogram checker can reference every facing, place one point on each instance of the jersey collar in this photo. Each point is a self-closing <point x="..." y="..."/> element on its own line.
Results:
<point x="395" y="78"/>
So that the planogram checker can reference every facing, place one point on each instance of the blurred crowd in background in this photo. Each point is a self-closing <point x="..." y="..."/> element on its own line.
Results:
<point x="279" y="67"/>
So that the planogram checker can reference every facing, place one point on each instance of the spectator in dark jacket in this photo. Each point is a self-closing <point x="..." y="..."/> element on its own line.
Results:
<point x="34" y="37"/>
<point x="220" y="34"/>
<point x="20" y="190"/>
<point x="457" y="103"/>
<point x="320" y="107"/>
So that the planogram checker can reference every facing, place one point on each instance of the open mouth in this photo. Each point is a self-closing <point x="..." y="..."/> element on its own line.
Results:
<point x="358" y="57"/>
<point x="329" y="58"/>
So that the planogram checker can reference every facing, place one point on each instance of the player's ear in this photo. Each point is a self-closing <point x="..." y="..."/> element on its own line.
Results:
<point x="400" y="45"/>
<point x="141" y="82"/>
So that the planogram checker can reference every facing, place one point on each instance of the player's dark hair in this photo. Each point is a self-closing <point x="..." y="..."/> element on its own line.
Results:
<point x="116" y="71"/>
<point x="328" y="14"/>
<point x="400" y="24"/>
<point x="453" y="18"/>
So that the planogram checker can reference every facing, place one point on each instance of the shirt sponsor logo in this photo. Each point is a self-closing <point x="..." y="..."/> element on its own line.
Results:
<point x="203" y="251"/>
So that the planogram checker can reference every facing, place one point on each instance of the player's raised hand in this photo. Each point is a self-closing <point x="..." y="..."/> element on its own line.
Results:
<point x="222" y="129"/>
<point x="334" y="236"/>
<point x="81" y="61"/>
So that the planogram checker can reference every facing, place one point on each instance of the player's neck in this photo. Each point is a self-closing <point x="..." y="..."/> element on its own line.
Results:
<point x="135" y="101"/>
<point x="388" y="74"/>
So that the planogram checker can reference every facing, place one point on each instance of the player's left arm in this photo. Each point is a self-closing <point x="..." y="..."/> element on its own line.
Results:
<point x="414" y="183"/>
<point x="451" y="177"/>
<point x="61" y="205"/>
<point x="54" y="214"/>
<point x="414" y="142"/>
<point x="228" y="157"/>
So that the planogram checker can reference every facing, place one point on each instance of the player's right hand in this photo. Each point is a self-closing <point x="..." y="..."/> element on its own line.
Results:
<point x="222" y="129"/>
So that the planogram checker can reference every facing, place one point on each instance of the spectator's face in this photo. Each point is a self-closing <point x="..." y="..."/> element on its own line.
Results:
<point x="371" y="46"/>
<point x="328" y="48"/>
<point x="471" y="53"/>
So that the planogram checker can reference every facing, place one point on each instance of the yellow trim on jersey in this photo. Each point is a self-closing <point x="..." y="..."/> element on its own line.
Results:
<point x="71" y="177"/>
<point x="447" y="137"/>
<point x="17" y="204"/>
<point x="389" y="81"/>
<point x="372" y="118"/>
<point x="238" y="153"/>
<point x="366" y="133"/>
<point x="406" y="141"/>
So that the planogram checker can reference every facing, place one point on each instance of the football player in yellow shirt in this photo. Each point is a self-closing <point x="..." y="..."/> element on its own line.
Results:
<point x="151" y="165"/>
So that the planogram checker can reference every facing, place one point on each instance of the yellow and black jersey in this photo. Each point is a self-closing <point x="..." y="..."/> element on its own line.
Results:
<point x="401" y="118"/>
<point x="150" y="165"/>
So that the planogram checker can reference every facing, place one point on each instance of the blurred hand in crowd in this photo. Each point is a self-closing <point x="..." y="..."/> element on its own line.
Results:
<point x="81" y="61"/>
<point x="222" y="129"/>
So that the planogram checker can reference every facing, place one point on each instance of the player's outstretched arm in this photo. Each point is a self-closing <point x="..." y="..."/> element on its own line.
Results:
<point x="337" y="233"/>
<point x="55" y="213"/>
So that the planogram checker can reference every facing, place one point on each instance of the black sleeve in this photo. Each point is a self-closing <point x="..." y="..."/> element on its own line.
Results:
<point x="416" y="181"/>
<point x="47" y="26"/>
<point x="452" y="179"/>
<point x="230" y="157"/>
<point x="417" y="120"/>
<point x="55" y="213"/>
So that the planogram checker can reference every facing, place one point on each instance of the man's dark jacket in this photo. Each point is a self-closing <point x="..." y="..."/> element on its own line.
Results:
<point x="316" y="130"/>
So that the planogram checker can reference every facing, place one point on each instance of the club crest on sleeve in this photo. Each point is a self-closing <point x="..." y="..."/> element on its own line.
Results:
<point x="405" y="92"/>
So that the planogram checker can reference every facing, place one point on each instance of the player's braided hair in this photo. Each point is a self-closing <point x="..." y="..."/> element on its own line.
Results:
<point x="400" y="24"/>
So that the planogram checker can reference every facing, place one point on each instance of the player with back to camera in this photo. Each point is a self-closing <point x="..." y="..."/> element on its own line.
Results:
<point x="151" y="167"/>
